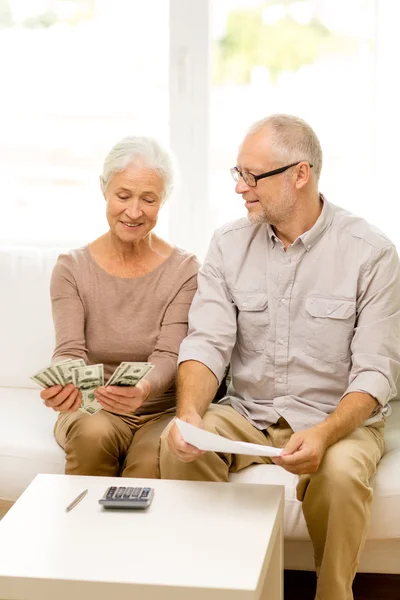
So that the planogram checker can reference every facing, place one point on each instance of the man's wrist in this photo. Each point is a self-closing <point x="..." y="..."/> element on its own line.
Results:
<point x="326" y="431"/>
<point x="353" y="409"/>
<point x="186" y="413"/>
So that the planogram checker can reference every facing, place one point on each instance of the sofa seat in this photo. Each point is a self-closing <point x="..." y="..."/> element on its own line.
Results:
<point x="27" y="445"/>
<point x="381" y="553"/>
<point x="385" y="511"/>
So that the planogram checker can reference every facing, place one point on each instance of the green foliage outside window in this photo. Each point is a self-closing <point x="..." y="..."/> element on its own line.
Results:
<point x="5" y="13"/>
<point x="84" y="10"/>
<point x="285" y="45"/>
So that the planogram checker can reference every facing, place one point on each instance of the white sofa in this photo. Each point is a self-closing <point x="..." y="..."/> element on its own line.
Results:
<point x="27" y="446"/>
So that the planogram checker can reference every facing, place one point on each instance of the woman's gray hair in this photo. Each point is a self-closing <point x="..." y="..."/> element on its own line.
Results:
<point x="145" y="150"/>
<point x="293" y="139"/>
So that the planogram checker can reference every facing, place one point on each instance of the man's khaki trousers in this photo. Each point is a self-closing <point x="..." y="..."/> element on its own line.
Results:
<point x="111" y="445"/>
<point x="336" y="500"/>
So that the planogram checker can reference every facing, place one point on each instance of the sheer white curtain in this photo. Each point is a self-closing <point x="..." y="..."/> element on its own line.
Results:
<point x="76" y="77"/>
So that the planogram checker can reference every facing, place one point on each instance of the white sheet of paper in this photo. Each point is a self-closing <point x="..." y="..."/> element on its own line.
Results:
<point x="205" y="440"/>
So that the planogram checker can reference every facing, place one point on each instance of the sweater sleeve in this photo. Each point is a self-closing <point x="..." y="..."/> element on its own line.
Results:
<point x="68" y="312"/>
<point x="173" y="330"/>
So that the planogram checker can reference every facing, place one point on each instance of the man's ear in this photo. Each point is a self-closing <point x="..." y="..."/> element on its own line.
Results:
<point x="303" y="175"/>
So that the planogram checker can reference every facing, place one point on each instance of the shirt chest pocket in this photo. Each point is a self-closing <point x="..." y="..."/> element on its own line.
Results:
<point x="330" y="326"/>
<point x="252" y="320"/>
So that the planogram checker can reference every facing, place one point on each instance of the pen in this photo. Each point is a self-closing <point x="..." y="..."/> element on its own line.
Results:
<point x="76" y="501"/>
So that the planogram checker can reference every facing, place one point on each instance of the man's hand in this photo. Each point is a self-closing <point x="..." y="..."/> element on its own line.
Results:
<point x="62" y="399"/>
<point x="123" y="399"/>
<point x="185" y="452"/>
<point x="304" y="452"/>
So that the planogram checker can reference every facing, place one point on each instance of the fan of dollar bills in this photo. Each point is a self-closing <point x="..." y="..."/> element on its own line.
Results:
<point x="89" y="377"/>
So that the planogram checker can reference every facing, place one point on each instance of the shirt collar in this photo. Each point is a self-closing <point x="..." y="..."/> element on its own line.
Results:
<point x="271" y="234"/>
<point x="310" y="237"/>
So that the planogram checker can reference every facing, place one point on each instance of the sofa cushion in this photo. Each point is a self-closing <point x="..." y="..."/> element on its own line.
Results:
<point x="385" y="513"/>
<point x="27" y="445"/>
<point x="25" y="312"/>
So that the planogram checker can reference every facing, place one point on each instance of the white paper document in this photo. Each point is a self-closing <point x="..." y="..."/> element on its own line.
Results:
<point x="204" y="440"/>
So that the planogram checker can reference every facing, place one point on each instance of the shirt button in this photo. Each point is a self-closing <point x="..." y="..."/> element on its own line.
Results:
<point x="283" y="301"/>
<point x="280" y="379"/>
<point x="308" y="247"/>
<point x="245" y="304"/>
<point x="281" y="341"/>
<point x="329" y="310"/>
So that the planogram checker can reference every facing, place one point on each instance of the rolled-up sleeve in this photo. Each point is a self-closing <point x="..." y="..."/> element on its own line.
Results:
<point x="376" y="342"/>
<point x="212" y="317"/>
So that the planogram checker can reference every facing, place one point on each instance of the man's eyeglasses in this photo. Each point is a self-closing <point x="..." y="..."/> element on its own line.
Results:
<point x="251" y="180"/>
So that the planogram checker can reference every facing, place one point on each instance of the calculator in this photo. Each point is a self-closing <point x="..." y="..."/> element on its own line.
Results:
<point x="127" y="497"/>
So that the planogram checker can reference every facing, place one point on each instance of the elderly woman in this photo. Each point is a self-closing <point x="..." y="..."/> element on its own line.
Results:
<point x="124" y="297"/>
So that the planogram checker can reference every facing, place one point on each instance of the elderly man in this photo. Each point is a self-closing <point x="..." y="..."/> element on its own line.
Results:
<point x="303" y="300"/>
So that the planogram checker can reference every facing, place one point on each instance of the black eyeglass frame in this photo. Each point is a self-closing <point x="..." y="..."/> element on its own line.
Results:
<point x="235" y="170"/>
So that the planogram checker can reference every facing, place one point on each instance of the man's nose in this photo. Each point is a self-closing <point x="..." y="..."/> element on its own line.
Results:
<point x="241" y="187"/>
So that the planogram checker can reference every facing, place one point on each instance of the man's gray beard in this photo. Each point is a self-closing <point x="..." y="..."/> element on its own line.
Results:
<point x="287" y="202"/>
<point x="257" y="219"/>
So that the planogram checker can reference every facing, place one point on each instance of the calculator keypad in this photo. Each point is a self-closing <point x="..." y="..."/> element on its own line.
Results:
<point x="133" y="496"/>
<point x="110" y="492"/>
<point x="119" y="492"/>
<point x="127" y="492"/>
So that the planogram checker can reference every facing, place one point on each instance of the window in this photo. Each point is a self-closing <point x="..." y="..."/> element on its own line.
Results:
<point x="332" y="63"/>
<point x="78" y="76"/>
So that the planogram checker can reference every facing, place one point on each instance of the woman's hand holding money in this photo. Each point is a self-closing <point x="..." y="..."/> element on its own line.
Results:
<point x="123" y="399"/>
<point x="62" y="399"/>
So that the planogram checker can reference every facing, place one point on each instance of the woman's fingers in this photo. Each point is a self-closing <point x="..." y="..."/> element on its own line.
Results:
<point x="62" y="398"/>
<point x="50" y="392"/>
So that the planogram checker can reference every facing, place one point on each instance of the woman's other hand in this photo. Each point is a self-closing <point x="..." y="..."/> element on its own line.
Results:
<point x="123" y="399"/>
<point x="62" y="399"/>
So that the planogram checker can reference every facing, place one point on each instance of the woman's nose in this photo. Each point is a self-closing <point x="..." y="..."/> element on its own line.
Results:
<point x="134" y="209"/>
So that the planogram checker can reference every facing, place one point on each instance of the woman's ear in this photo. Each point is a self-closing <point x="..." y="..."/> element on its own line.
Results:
<point x="102" y="187"/>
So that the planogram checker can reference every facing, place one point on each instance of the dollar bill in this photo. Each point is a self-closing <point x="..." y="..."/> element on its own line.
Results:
<point x="87" y="379"/>
<point x="42" y="379"/>
<point x="48" y="376"/>
<point x="129" y="373"/>
<point x="114" y="375"/>
<point x="64" y="369"/>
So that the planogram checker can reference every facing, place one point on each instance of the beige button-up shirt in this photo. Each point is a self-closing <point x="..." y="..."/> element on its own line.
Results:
<point x="300" y="328"/>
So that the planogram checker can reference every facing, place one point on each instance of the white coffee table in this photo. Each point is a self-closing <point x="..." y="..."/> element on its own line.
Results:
<point x="214" y="541"/>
